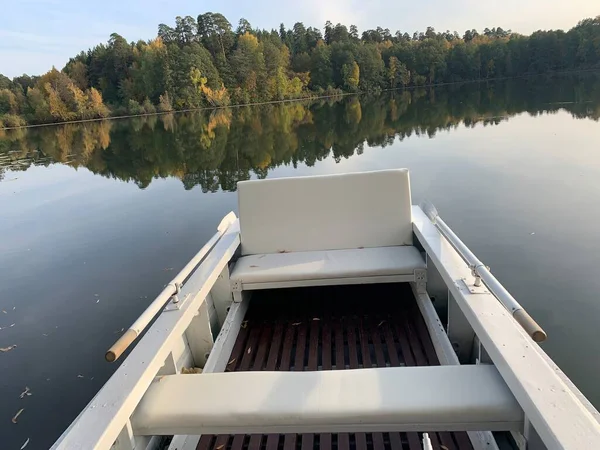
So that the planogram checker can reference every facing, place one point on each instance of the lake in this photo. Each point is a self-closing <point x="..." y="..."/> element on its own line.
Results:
<point x="96" y="218"/>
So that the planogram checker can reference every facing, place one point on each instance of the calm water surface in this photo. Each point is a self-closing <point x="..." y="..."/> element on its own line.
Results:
<point x="96" y="218"/>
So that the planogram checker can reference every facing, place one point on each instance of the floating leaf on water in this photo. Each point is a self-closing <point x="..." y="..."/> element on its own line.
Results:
<point x="4" y="311"/>
<point x="295" y="324"/>
<point x="249" y="350"/>
<point x="7" y="349"/>
<point x="98" y="301"/>
<point x="244" y="324"/>
<point x="44" y="334"/>
<point x="231" y="362"/>
<point x="25" y="392"/>
<point x="443" y="447"/>
<point x="96" y="295"/>
<point x="14" y="307"/>
<point x="12" y="325"/>
<point x="220" y="447"/>
<point x="80" y="376"/>
<point x="316" y="318"/>
<point x="381" y="323"/>
<point x="14" y="419"/>
<point x="25" y="444"/>
<point x="120" y="331"/>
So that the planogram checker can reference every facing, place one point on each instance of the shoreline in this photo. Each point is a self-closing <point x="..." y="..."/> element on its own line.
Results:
<point x="300" y="99"/>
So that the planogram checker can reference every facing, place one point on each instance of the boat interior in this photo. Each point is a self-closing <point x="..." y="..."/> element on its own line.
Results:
<point x="333" y="314"/>
<point x="334" y="328"/>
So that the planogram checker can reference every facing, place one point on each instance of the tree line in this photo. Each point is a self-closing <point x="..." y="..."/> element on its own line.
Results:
<point x="205" y="61"/>
<point x="215" y="149"/>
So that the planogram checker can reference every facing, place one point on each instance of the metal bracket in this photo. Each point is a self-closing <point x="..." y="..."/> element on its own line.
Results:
<point x="472" y="288"/>
<point x="175" y="302"/>
<point x="421" y="280"/>
<point x="236" y="285"/>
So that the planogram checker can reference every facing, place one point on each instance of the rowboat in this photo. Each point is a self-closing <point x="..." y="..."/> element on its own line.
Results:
<point x="334" y="314"/>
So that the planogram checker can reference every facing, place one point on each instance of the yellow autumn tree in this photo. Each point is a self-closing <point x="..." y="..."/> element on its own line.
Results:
<point x="351" y="76"/>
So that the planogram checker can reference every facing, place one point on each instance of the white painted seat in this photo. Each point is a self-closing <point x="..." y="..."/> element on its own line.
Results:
<point x="440" y="398"/>
<point x="334" y="229"/>
<point x="328" y="264"/>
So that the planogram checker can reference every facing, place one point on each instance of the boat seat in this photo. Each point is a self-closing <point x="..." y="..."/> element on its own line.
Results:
<point x="436" y="398"/>
<point x="331" y="229"/>
<point x="325" y="267"/>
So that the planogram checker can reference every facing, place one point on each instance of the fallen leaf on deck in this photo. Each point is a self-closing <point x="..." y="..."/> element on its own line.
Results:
<point x="25" y="444"/>
<point x="14" y="419"/>
<point x="261" y="256"/>
<point x="25" y="392"/>
<point x="231" y="362"/>
<point x="191" y="370"/>
<point x="253" y="266"/>
<point x="360" y="248"/>
<point x="7" y="349"/>
<point x="283" y="251"/>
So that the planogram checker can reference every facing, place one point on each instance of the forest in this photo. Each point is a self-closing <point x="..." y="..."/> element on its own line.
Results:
<point x="206" y="62"/>
<point x="214" y="149"/>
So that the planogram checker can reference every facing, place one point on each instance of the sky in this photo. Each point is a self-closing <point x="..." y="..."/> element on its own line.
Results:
<point x="38" y="34"/>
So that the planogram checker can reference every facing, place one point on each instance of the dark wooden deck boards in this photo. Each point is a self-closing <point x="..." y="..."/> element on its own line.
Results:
<point x="333" y="328"/>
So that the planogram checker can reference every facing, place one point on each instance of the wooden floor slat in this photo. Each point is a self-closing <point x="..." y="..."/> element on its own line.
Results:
<point x="343" y="441"/>
<point x="205" y="441"/>
<point x="275" y="347"/>
<point x="289" y="442"/>
<point x="238" y="442"/>
<point x="255" y="441"/>
<point x="343" y="327"/>
<point x="313" y="346"/>
<point x="300" y="347"/>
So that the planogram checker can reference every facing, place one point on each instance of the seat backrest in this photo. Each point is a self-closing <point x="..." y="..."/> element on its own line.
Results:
<point x="331" y="212"/>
